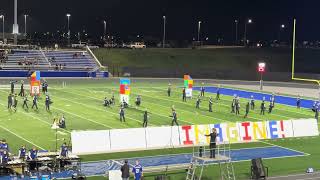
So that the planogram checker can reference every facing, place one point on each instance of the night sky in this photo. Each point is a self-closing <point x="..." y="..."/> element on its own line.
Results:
<point x="144" y="17"/>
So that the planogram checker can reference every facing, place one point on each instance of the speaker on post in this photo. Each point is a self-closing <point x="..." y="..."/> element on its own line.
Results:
<point x="258" y="170"/>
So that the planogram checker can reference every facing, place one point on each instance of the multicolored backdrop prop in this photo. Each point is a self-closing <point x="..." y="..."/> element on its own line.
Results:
<point x="188" y="84"/>
<point x="35" y="83"/>
<point x="124" y="90"/>
<point x="115" y="140"/>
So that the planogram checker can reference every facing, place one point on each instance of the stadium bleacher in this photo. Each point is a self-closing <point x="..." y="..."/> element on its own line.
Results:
<point x="49" y="60"/>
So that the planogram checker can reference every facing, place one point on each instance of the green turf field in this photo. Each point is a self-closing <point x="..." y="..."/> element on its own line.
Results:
<point x="81" y="103"/>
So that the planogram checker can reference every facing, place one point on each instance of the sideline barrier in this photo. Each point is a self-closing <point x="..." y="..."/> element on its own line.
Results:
<point x="116" y="140"/>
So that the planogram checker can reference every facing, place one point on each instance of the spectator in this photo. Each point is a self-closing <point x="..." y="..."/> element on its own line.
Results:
<point x="125" y="171"/>
<point x="137" y="171"/>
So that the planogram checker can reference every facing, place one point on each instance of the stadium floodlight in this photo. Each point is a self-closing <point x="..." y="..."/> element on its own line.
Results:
<point x="249" y="21"/>
<point x="68" y="17"/>
<point x="236" y="24"/>
<point x="199" y="27"/>
<point x="164" y="31"/>
<point x="261" y="70"/>
<point x="104" y="29"/>
<point x="282" y="26"/>
<point x="2" y="17"/>
<point x="25" y="24"/>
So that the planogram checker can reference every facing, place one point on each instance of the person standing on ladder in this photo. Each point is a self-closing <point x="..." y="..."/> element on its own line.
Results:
<point x="213" y="142"/>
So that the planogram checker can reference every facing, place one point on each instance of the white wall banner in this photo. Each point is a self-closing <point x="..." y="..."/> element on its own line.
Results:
<point x="85" y="142"/>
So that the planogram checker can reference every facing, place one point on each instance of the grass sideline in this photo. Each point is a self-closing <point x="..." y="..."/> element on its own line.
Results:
<point x="81" y="103"/>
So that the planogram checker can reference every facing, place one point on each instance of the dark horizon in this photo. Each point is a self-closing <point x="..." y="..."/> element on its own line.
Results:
<point x="130" y="18"/>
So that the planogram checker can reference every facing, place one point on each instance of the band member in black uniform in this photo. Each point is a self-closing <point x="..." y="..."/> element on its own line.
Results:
<point x="35" y="102"/>
<point x="21" y="93"/>
<point x="247" y="110"/>
<point x="262" y="107"/>
<point x="252" y="102"/>
<point x="174" y="118"/>
<point x="25" y="102"/>
<point x="145" y="118"/>
<point x="213" y="142"/>
<point x="169" y="90"/>
<point x="121" y="113"/>
<point x="198" y="102"/>
<point x="210" y="104"/>
<point x="184" y="96"/>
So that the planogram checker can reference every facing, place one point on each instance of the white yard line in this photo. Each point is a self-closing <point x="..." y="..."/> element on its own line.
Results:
<point x="17" y="135"/>
<point x="95" y="109"/>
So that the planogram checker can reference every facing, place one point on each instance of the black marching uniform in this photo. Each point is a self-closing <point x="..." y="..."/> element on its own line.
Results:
<point x="34" y="102"/>
<point x="198" y="103"/>
<point x="169" y="91"/>
<point x="252" y="103"/>
<point x="247" y="110"/>
<point x="145" y="119"/>
<point x="213" y="144"/>
<point x="9" y="101"/>
<point x="233" y="105"/>
<point x="138" y="100"/>
<point x="25" y="104"/>
<point x="271" y="105"/>
<point x="202" y="91"/>
<point x="12" y="86"/>
<point x="21" y="93"/>
<point x="237" y="106"/>
<point x="106" y="102"/>
<point x="262" y="108"/>
<point x="210" y="104"/>
<point x="15" y="101"/>
<point x="184" y="96"/>
<point x="174" y="118"/>
<point x="48" y="102"/>
<point x="121" y="113"/>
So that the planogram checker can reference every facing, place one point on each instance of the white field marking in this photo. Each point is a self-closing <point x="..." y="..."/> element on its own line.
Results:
<point x="82" y="117"/>
<point x="173" y="154"/>
<point x="293" y="175"/>
<point x="192" y="106"/>
<point x="95" y="109"/>
<point x="152" y="112"/>
<point x="227" y="121"/>
<point x="21" y="137"/>
<point x="288" y="148"/>
<point x="230" y="121"/>
<point x="34" y="117"/>
<point x="228" y="106"/>
<point x="167" y="108"/>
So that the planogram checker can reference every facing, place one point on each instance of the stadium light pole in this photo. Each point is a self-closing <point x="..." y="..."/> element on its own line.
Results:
<point x="199" y="28"/>
<point x="236" y="24"/>
<point x="104" y="29"/>
<point x="164" y="32"/>
<point x="25" y="24"/>
<point x="282" y="26"/>
<point x="68" y="17"/>
<point x="249" y="21"/>
<point x="2" y="17"/>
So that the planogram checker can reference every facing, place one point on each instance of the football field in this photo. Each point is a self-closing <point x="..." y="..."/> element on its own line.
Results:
<point x="81" y="102"/>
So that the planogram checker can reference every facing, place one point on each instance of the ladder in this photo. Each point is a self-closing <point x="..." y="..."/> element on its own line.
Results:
<point x="226" y="167"/>
<point x="194" y="164"/>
